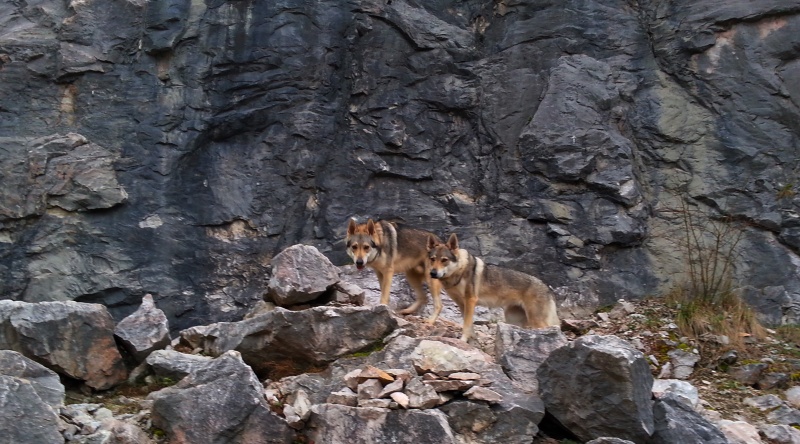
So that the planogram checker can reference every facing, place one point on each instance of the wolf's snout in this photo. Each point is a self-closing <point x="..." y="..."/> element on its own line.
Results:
<point x="434" y="274"/>
<point x="359" y="264"/>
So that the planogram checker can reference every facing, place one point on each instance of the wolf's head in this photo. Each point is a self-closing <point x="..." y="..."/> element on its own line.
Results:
<point x="362" y="242"/>
<point x="443" y="257"/>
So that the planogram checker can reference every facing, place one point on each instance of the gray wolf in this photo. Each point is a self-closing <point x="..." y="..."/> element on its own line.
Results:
<point x="389" y="248"/>
<point x="469" y="282"/>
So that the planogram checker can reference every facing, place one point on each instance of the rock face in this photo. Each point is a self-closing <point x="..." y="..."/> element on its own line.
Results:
<point x="554" y="137"/>
<point x="599" y="386"/>
<point x="71" y="338"/>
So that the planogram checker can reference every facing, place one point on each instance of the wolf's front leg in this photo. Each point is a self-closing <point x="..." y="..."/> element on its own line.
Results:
<point x="385" y="280"/>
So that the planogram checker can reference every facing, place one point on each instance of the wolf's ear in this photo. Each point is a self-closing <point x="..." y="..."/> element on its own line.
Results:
<point x="431" y="242"/>
<point x="371" y="227"/>
<point x="452" y="242"/>
<point x="351" y="227"/>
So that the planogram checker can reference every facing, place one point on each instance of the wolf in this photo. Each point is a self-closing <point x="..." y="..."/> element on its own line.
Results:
<point x="389" y="248"/>
<point x="525" y="300"/>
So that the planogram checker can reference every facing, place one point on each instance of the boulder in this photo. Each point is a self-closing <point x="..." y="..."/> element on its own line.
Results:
<point x="72" y="338"/>
<point x="300" y="274"/>
<point x="739" y="432"/>
<point x="144" y="330"/>
<point x="44" y="381"/>
<point x="221" y="401"/>
<point x="684" y="391"/>
<point x="521" y="351"/>
<point x="780" y="434"/>
<point x="333" y="423"/>
<point x="282" y="342"/>
<point x="174" y="364"/>
<point x="599" y="386"/>
<point x="24" y="417"/>
<point x="677" y="422"/>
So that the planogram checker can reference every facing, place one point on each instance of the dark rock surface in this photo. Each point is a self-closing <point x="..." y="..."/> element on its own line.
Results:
<point x="281" y="342"/>
<point x="599" y="386"/>
<point x="174" y="147"/>
<point x="222" y="401"/>
<point x="25" y="418"/>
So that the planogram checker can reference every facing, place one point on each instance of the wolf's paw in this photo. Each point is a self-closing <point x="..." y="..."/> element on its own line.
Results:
<point x="407" y="310"/>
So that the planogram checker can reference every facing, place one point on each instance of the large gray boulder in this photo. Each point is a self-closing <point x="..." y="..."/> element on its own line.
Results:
<point x="281" y="341"/>
<point x="144" y="330"/>
<point x="174" y="364"/>
<point x="26" y="418"/>
<point x="300" y="274"/>
<point x="45" y="381"/>
<point x="71" y="338"/>
<point x="334" y="423"/>
<point x="220" y="402"/>
<point x="599" y="386"/>
<point x="676" y="421"/>
<point x="521" y="351"/>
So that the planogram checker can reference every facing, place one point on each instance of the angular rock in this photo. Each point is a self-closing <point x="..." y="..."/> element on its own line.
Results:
<point x="295" y="341"/>
<point x="44" y="381"/>
<point x="684" y="391"/>
<point x="392" y="387"/>
<point x="763" y="403"/>
<point x="677" y="422"/>
<point x="784" y="415"/>
<point x="780" y="434"/>
<point x="348" y="293"/>
<point x="421" y="395"/>
<point x="748" y="374"/>
<point x="401" y="399"/>
<point x="739" y="432"/>
<point x="371" y="372"/>
<point x="521" y="351"/>
<point x="369" y="389"/>
<point x="483" y="394"/>
<point x="344" y="396"/>
<point x="144" y="330"/>
<point x="24" y="417"/>
<point x="599" y="386"/>
<point x="772" y="380"/>
<point x="793" y="396"/>
<point x="444" y="385"/>
<point x="221" y="401"/>
<point x="300" y="274"/>
<point x="71" y="338"/>
<point x="443" y="359"/>
<point x="683" y="363"/>
<point x="175" y="365"/>
<point x="331" y="423"/>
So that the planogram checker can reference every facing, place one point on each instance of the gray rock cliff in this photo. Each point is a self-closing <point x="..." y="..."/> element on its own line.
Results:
<point x="174" y="147"/>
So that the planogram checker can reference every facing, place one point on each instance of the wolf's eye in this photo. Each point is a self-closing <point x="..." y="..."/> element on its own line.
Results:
<point x="366" y="247"/>
<point x="444" y="260"/>
<point x="354" y="247"/>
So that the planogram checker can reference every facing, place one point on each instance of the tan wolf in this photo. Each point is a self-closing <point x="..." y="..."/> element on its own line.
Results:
<point x="389" y="248"/>
<point x="470" y="282"/>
